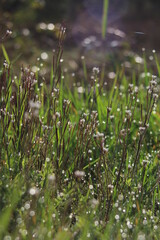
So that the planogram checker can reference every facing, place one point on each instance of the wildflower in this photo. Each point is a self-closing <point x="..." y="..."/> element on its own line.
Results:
<point x="144" y="163"/>
<point x="111" y="117"/>
<point x="95" y="70"/>
<point x="56" y="90"/>
<point x="79" y="174"/>
<point x="129" y="225"/>
<point x="131" y="86"/>
<point x="120" y="197"/>
<point x="153" y="83"/>
<point x="33" y="104"/>
<point x="80" y="90"/>
<point x="82" y="122"/>
<point x="57" y="114"/>
<point x="128" y="113"/>
<point x="110" y="186"/>
<point x="138" y="59"/>
<point x="66" y="102"/>
<point x="47" y="160"/>
<point x="100" y="134"/>
<point x="35" y="69"/>
<point x="90" y="187"/>
<point x="109" y="109"/>
<point x="105" y="150"/>
<point x="129" y="167"/>
<point x="145" y="222"/>
<point x="136" y="89"/>
<point x="96" y="223"/>
<point x="8" y="33"/>
<point x="5" y="64"/>
<point x="117" y="217"/>
<point x="123" y="132"/>
<point x="155" y="96"/>
<point x="141" y="130"/>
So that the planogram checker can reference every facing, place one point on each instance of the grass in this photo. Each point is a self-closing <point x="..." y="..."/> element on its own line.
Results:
<point x="104" y="18"/>
<point x="79" y="163"/>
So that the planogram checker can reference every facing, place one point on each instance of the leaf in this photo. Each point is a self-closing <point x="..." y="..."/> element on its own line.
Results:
<point x="5" y="54"/>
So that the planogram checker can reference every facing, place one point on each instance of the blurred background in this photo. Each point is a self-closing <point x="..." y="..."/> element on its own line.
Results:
<point x="132" y="25"/>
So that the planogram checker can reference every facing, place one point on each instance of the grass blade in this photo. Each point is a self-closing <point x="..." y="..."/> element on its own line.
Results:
<point x="104" y="18"/>
<point x="5" y="54"/>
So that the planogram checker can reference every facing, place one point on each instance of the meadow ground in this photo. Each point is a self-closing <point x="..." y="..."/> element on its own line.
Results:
<point x="79" y="161"/>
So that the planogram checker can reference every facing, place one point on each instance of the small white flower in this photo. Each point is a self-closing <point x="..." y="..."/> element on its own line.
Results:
<point x="95" y="70"/>
<point x="47" y="160"/>
<point x="96" y="223"/>
<point x="120" y="197"/>
<point x="117" y="217"/>
<point x="79" y="174"/>
<point x="110" y="186"/>
<point x="141" y="130"/>
<point x="90" y="187"/>
<point x="33" y="104"/>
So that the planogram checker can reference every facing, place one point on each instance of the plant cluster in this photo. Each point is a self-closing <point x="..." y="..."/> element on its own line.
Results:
<point x="78" y="163"/>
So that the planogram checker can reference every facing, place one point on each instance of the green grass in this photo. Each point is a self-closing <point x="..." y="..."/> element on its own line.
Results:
<point x="104" y="18"/>
<point x="80" y="163"/>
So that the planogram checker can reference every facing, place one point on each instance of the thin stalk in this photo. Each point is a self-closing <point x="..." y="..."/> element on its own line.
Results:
<point x="104" y="18"/>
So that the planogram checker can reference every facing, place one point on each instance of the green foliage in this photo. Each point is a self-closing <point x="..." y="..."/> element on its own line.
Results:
<point x="78" y="163"/>
<point x="5" y="54"/>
